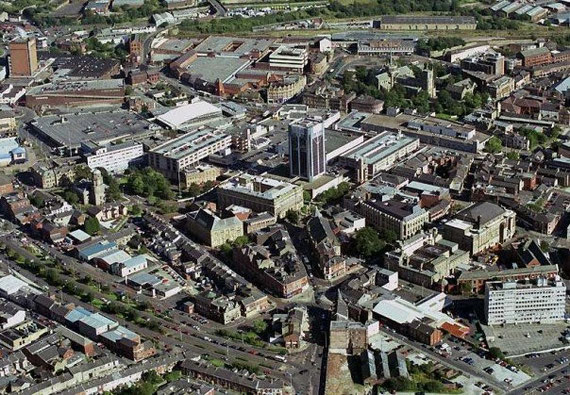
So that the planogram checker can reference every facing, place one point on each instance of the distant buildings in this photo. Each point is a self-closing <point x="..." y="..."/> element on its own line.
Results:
<point x="76" y="93"/>
<point x="536" y="57"/>
<point x="261" y="194"/>
<point x="307" y="155"/>
<point x="535" y="301"/>
<point x="445" y="23"/>
<point x="289" y="87"/>
<point x="323" y="95"/>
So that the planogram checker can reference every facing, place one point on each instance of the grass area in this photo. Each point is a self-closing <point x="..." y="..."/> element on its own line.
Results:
<point x="447" y="117"/>
<point x="98" y="303"/>
<point x="278" y="4"/>
<point x="350" y="2"/>
<point x="217" y="362"/>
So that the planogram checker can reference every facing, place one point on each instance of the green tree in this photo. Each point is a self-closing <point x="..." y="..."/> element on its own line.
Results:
<point x="70" y="197"/>
<point x="368" y="242"/>
<point x="53" y="278"/>
<point x="37" y="200"/>
<point x="113" y="191"/>
<point x="494" y="145"/>
<point x="259" y="326"/>
<point x="82" y="172"/>
<point x="87" y="297"/>
<point x="136" y="185"/>
<point x="513" y="155"/>
<point x="92" y="226"/>
<point x="194" y="190"/>
<point x="135" y="210"/>
<point x="465" y="288"/>
<point x="241" y="241"/>
<point x="495" y="352"/>
<point x="293" y="216"/>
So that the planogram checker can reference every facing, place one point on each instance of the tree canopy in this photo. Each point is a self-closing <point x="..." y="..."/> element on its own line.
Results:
<point x="368" y="242"/>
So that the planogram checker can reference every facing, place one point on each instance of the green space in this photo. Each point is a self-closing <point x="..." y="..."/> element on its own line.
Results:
<point x="423" y="378"/>
<point x="335" y="10"/>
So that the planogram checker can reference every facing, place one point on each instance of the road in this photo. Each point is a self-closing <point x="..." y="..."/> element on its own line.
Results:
<point x="147" y="43"/>
<point x="448" y="362"/>
<point x="220" y="9"/>
<point x="180" y="330"/>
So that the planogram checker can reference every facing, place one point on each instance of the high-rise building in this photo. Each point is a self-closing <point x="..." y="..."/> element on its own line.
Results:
<point x="528" y="301"/>
<point x="23" y="58"/>
<point x="307" y="156"/>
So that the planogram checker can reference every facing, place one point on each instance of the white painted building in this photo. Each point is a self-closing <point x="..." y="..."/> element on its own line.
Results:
<point x="289" y="58"/>
<point x="532" y="301"/>
<point x="113" y="158"/>
<point x="11" y="314"/>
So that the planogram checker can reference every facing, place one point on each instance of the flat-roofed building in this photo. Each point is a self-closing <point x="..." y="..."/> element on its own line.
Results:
<point x="176" y="155"/>
<point x="261" y="194"/>
<point x="23" y="59"/>
<point x="425" y="259"/>
<point x="113" y="158"/>
<point x="288" y="58"/>
<point x="442" y="128"/>
<point x="405" y="217"/>
<point x="386" y="46"/>
<point x="475" y="280"/>
<point x="480" y="226"/>
<point x="523" y="302"/>
<point x="536" y="57"/>
<point x="67" y="132"/>
<point x="408" y="22"/>
<point x="377" y="154"/>
<point x="76" y="93"/>
<point x="307" y="156"/>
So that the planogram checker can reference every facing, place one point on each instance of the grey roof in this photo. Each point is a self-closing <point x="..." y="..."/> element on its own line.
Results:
<point x="211" y="69"/>
<point x="72" y="129"/>
<point x="405" y="19"/>
<point x="483" y="212"/>
<point x="320" y="229"/>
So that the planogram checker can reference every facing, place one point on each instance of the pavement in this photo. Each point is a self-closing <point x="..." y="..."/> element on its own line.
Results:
<point x="517" y="340"/>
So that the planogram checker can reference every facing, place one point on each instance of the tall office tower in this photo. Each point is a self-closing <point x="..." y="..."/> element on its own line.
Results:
<point x="307" y="156"/>
<point x="23" y="58"/>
